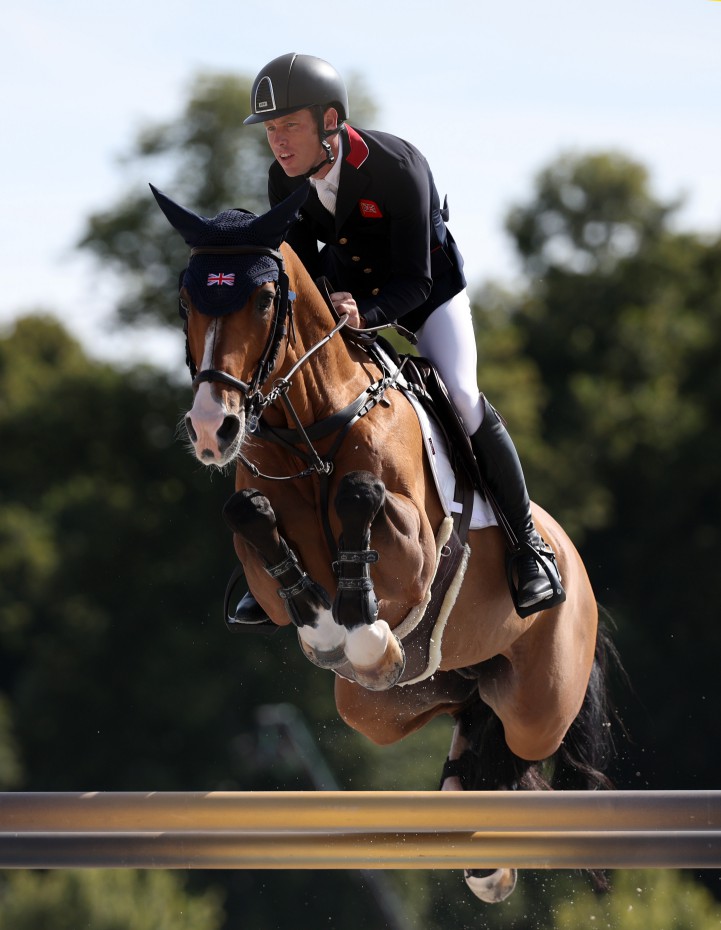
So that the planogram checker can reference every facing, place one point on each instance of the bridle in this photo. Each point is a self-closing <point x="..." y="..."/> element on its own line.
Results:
<point x="256" y="402"/>
<point x="282" y="318"/>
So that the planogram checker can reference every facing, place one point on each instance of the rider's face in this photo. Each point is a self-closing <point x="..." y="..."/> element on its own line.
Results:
<point x="295" y="143"/>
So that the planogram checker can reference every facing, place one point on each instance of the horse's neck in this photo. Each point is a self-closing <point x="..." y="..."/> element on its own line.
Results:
<point x="330" y="378"/>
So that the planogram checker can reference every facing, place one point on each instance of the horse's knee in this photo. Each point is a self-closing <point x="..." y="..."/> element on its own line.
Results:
<point x="248" y="512"/>
<point x="359" y="497"/>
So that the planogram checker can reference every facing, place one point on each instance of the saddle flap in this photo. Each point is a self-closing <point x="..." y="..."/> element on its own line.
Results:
<point x="428" y="386"/>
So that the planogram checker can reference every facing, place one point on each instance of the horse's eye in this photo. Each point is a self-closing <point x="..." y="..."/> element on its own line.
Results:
<point x="264" y="301"/>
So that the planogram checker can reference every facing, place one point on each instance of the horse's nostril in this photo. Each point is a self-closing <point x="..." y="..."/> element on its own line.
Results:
<point x="191" y="432"/>
<point x="228" y="430"/>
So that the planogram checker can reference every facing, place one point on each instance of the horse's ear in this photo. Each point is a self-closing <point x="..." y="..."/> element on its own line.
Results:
<point x="272" y="227"/>
<point x="190" y="226"/>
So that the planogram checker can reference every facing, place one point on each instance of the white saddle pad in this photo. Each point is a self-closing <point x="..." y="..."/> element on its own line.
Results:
<point x="445" y="480"/>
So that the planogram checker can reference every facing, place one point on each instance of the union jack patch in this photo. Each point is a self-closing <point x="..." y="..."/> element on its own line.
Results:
<point x="228" y="279"/>
<point x="370" y="209"/>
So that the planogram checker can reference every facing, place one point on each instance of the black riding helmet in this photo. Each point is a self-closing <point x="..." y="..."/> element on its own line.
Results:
<point x="294" y="82"/>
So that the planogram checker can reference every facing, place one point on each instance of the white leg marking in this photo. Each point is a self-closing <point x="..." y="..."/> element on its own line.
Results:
<point x="325" y="634"/>
<point x="459" y="744"/>
<point x="366" y="645"/>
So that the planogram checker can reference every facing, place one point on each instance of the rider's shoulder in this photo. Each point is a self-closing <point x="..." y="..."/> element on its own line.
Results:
<point x="389" y="145"/>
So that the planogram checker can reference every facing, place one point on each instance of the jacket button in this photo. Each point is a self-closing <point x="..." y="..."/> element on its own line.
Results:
<point x="367" y="270"/>
<point x="356" y="258"/>
<point x="343" y="241"/>
<point x="376" y="291"/>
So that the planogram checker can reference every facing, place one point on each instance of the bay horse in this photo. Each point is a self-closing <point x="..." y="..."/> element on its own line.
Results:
<point x="341" y="529"/>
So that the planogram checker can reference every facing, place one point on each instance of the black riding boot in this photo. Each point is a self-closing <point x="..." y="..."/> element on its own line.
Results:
<point x="250" y="616"/>
<point x="539" y="583"/>
<point x="249" y="610"/>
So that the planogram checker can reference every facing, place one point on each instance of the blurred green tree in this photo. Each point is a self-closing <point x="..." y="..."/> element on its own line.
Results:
<point x="639" y="900"/>
<point x="206" y="159"/>
<point x="105" y="900"/>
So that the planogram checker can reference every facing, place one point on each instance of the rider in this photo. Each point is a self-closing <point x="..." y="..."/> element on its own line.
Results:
<point x="375" y="206"/>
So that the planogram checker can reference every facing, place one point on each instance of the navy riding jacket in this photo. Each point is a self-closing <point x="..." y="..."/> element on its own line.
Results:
<point x="388" y="244"/>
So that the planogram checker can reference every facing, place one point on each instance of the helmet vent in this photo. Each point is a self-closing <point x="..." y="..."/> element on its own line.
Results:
<point x="264" y="99"/>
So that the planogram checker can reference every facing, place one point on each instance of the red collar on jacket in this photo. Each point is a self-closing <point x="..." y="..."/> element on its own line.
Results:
<point x="358" y="149"/>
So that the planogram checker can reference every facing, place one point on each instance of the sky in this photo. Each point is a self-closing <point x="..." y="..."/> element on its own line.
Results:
<point x="490" y="93"/>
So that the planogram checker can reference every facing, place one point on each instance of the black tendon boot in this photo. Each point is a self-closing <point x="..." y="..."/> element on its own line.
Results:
<point x="539" y="583"/>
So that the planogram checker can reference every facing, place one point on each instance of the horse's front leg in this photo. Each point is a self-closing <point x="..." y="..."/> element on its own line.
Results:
<point x="375" y="654"/>
<point x="249" y="514"/>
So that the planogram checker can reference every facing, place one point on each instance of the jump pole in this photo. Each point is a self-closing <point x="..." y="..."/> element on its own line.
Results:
<point x="361" y="830"/>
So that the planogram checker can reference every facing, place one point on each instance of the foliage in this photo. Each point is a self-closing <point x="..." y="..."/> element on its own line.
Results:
<point x="664" y="900"/>
<point x="104" y="900"/>
<point x="206" y="159"/>
<point x="10" y="767"/>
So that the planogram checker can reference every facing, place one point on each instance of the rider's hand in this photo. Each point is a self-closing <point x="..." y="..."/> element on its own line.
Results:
<point x="344" y="303"/>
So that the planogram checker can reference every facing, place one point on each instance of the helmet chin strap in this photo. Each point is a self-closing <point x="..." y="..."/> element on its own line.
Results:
<point x="329" y="156"/>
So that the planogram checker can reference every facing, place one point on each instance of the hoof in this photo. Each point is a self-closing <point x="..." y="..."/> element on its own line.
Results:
<point x="491" y="886"/>
<point x="387" y="671"/>
<point x="324" y="658"/>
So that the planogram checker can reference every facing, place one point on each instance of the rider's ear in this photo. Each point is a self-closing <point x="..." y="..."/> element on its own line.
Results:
<point x="330" y="118"/>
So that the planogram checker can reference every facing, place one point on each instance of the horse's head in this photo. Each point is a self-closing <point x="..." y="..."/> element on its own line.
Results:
<point x="233" y="298"/>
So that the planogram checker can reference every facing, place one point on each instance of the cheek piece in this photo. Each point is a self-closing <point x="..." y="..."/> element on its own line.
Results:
<point x="324" y="133"/>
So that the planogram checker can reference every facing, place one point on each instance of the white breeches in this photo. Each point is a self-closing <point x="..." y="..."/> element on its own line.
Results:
<point x="447" y="338"/>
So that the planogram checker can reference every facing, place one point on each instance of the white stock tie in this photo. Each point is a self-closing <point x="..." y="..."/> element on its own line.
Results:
<point x="327" y="195"/>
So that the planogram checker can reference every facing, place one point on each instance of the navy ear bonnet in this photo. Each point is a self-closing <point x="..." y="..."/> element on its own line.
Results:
<point x="219" y="284"/>
<point x="223" y="282"/>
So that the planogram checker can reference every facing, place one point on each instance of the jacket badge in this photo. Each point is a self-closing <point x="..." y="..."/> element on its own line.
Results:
<point x="370" y="209"/>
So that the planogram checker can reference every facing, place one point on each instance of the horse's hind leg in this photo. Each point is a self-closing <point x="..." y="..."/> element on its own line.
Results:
<point x="477" y="727"/>
<point x="249" y="514"/>
<point x="375" y="654"/>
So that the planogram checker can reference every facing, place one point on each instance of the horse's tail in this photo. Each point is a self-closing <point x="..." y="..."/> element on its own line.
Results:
<point x="585" y="754"/>
<point x="588" y="749"/>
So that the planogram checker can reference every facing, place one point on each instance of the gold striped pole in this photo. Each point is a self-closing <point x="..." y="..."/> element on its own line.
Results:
<point x="361" y="830"/>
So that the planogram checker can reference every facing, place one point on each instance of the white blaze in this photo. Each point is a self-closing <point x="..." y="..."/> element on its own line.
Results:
<point x="208" y="412"/>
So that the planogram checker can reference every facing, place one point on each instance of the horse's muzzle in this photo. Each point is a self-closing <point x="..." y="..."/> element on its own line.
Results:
<point x="218" y="441"/>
